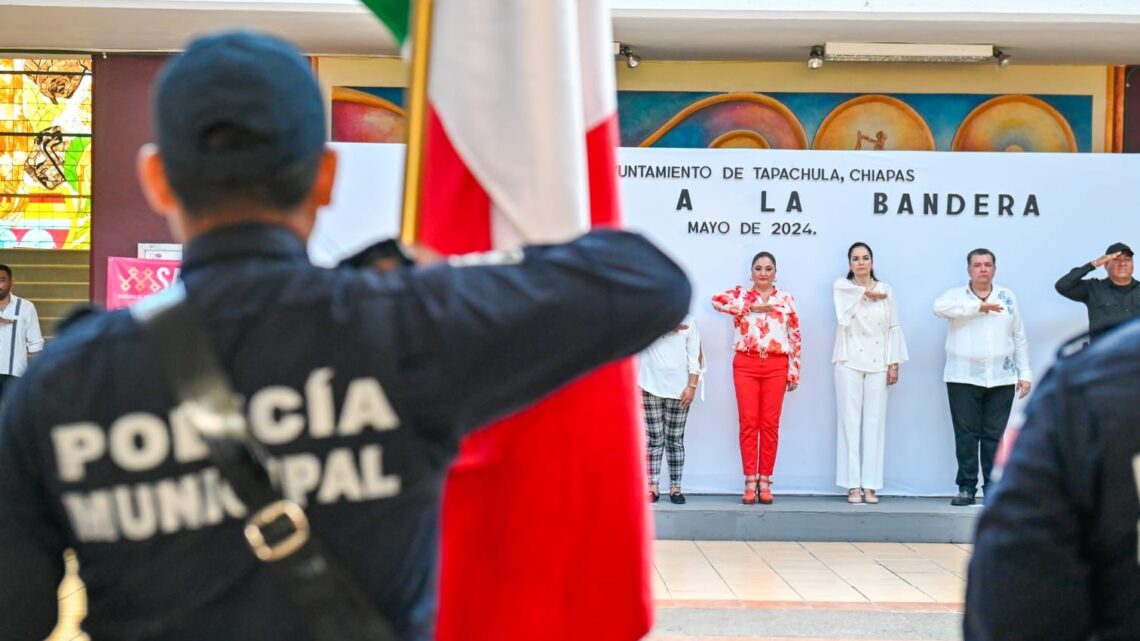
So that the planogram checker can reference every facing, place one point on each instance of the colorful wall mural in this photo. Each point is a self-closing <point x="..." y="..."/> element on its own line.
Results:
<point x="45" y="153"/>
<point x="368" y="114"/>
<point x="916" y="122"/>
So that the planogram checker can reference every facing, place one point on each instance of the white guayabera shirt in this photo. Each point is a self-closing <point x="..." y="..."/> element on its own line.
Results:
<point x="988" y="350"/>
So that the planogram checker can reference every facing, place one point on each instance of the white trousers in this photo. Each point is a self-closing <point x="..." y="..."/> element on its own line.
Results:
<point x="861" y="403"/>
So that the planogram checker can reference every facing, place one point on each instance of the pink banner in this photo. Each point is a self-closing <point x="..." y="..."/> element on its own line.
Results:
<point x="132" y="279"/>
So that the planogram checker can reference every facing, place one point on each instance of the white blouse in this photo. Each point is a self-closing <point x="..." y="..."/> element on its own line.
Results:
<point x="869" y="337"/>
<point x="664" y="366"/>
<point x="987" y="350"/>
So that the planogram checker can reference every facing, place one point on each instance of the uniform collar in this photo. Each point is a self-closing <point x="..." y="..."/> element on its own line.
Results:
<point x="254" y="240"/>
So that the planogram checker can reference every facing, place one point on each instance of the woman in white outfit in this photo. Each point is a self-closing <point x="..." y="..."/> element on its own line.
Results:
<point x="869" y="347"/>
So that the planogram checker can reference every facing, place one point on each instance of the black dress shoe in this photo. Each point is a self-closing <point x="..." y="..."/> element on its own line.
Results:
<point x="677" y="497"/>
<point x="965" y="497"/>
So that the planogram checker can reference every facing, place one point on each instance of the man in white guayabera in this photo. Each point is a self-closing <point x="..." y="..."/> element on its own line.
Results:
<point x="987" y="359"/>
<point x="20" y="336"/>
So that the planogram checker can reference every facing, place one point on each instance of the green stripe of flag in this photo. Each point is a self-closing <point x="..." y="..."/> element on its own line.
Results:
<point x="394" y="15"/>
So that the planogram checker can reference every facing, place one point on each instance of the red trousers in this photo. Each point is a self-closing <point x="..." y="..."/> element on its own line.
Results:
<point x="760" y="386"/>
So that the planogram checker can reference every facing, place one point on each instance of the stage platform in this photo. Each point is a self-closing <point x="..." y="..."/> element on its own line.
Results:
<point x="815" y="518"/>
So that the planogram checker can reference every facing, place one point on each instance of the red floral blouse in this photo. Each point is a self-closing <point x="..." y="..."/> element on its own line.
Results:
<point x="774" y="332"/>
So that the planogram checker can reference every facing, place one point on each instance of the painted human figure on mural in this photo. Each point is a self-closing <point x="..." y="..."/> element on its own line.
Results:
<point x="879" y="142"/>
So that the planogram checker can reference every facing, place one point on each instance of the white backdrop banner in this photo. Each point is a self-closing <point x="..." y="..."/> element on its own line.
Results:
<point x="712" y="210"/>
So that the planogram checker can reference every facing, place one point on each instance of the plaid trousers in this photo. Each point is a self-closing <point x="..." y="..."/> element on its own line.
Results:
<point x="665" y="426"/>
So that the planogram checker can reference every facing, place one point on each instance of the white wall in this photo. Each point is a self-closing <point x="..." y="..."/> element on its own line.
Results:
<point x="1084" y="202"/>
<point x="1085" y="205"/>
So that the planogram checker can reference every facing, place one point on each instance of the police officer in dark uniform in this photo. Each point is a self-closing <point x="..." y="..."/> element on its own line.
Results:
<point x="1056" y="554"/>
<point x="1110" y="301"/>
<point x="358" y="383"/>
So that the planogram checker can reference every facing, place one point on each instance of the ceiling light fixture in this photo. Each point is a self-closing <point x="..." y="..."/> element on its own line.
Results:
<point x="815" y="59"/>
<point x="631" y="58"/>
<point x="906" y="52"/>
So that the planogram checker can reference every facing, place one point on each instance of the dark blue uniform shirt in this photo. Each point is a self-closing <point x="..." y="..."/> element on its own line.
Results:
<point x="360" y="384"/>
<point x="1056" y="554"/>
<point x="1108" y="304"/>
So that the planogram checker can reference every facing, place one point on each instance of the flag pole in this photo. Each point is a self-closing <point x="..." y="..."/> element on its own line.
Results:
<point x="417" y="120"/>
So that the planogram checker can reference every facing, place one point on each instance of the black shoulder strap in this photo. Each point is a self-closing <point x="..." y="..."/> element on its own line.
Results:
<point x="277" y="529"/>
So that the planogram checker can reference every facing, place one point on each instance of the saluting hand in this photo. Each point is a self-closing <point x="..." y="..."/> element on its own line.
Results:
<point x="1103" y="260"/>
<point x="871" y="294"/>
<point x="991" y="307"/>
<point x="761" y="308"/>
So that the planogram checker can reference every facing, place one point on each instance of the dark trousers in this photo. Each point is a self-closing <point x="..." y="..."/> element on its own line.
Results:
<point x="5" y="381"/>
<point x="979" y="415"/>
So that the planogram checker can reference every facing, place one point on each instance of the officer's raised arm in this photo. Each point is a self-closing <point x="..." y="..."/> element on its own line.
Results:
<point x="512" y="333"/>
<point x="1072" y="285"/>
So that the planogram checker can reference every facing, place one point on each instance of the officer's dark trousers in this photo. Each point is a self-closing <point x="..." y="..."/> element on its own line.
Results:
<point x="979" y="415"/>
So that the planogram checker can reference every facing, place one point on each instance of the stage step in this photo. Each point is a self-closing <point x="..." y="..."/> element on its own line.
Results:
<point x="815" y="518"/>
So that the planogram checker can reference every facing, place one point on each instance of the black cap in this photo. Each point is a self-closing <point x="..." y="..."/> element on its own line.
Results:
<point x="246" y="81"/>
<point x="1118" y="247"/>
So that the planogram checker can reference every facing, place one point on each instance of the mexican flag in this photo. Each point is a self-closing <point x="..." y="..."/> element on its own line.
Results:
<point x="546" y="530"/>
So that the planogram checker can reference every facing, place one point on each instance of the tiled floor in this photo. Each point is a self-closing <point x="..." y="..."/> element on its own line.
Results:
<point x="794" y="575"/>
<point x="919" y="587"/>
<point x="785" y="576"/>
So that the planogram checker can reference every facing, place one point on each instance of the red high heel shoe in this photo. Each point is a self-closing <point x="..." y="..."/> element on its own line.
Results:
<point x="749" y="493"/>
<point x="766" y="491"/>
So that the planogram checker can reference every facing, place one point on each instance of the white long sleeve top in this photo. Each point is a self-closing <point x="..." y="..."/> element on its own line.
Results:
<point x="664" y="367"/>
<point x="988" y="350"/>
<point x="869" y="337"/>
<point x="19" y="335"/>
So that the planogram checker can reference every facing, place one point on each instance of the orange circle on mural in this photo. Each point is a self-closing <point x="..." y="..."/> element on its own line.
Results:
<point x="358" y="116"/>
<point x="1015" y="123"/>
<point x="874" y="122"/>
<point x="738" y="119"/>
<point x="740" y="139"/>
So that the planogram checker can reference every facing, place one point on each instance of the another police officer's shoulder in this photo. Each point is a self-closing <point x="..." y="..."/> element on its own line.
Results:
<point x="1111" y="355"/>
<point x="67" y="358"/>
<point x="88" y="325"/>
<point x="77" y="315"/>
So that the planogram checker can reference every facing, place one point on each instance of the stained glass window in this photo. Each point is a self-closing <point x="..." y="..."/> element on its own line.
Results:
<point x="45" y="153"/>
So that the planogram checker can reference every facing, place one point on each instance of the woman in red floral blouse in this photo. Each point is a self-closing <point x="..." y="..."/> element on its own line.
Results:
<point x="766" y="365"/>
